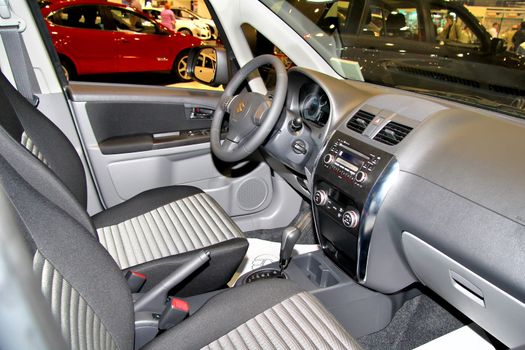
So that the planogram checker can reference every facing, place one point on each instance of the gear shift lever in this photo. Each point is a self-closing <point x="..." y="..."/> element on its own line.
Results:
<point x="290" y="236"/>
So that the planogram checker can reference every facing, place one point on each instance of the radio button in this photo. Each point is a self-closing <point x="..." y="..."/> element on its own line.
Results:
<point x="360" y="176"/>
<point x="351" y="218"/>
<point x="320" y="197"/>
<point x="328" y="159"/>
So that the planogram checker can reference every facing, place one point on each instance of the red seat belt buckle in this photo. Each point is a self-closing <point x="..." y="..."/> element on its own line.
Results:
<point x="135" y="280"/>
<point x="174" y="313"/>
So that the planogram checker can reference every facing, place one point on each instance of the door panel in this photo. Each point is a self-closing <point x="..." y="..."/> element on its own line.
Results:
<point x="121" y="127"/>
<point x="112" y="113"/>
<point x="194" y="168"/>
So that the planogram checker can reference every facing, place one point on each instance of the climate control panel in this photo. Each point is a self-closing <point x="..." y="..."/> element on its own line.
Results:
<point x="344" y="212"/>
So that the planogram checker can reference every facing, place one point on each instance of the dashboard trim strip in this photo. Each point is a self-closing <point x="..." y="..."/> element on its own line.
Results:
<point x="369" y="215"/>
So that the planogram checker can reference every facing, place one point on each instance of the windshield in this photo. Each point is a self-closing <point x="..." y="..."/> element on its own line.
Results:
<point x="471" y="53"/>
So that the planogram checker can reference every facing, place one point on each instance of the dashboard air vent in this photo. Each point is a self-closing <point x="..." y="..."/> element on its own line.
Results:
<point x="360" y="121"/>
<point x="392" y="133"/>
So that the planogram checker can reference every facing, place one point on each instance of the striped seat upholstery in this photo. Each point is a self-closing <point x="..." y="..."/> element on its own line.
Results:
<point x="178" y="227"/>
<point x="80" y="325"/>
<point x="299" y="322"/>
<point x="151" y="231"/>
<point x="92" y="304"/>
<point x="184" y="225"/>
<point x="31" y="147"/>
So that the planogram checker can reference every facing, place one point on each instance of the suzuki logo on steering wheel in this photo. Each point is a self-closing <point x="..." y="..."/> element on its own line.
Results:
<point x="240" y="107"/>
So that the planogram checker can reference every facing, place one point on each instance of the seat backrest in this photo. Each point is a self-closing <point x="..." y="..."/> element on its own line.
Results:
<point x="44" y="139"/>
<point x="86" y="290"/>
<point x="394" y="23"/>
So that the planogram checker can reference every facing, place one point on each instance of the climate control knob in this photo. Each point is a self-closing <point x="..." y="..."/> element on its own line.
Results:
<point x="351" y="218"/>
<point x="328" y="159"/>
<point x="320" y="197"/>
<point x="360" y="176"/>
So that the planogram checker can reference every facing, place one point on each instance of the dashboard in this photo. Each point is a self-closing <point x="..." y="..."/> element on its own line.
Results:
<point x="410" y="189"/>
<point x="315" y="106"/>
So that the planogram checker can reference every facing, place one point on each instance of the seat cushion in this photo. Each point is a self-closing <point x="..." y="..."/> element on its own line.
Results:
<point x="299" y="322"/>
<point x="163" y="222"/>
<point x="268" y="314"/>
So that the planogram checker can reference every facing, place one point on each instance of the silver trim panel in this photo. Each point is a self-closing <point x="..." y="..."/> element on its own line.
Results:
<point x="370" y="210"/>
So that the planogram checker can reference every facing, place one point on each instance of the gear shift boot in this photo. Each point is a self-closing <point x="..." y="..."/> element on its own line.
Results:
<point x="289" y="238"/>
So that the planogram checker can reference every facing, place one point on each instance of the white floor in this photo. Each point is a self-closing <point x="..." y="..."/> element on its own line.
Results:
<point x="261" y="252"/>
<point x="466" y="338"/>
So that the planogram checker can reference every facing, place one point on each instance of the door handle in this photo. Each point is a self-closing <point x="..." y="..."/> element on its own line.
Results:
<point x="123" y="40"/>
<point x="201" y="113"/>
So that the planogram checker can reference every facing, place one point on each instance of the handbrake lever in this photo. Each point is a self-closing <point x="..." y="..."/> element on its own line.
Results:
<point x="155" y="298"/>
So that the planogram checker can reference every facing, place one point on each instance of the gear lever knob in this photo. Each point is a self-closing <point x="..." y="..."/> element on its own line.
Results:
<point x="289" y="238"/>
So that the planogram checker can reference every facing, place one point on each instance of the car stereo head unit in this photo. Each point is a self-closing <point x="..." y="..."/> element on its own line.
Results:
<point x="353" y="166"/>
<point x="344" y="181"/>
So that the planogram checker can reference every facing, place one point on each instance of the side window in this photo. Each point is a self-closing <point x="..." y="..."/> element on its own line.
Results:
<point x="185" y="14"/>
<point x="451" y="28"/>
<point x="260" y="45"/>
<point x="129" y="21"/>
<point x="85" y="17"/>
<point x="200" y="61"/>
<point x="208" y="63"/>
<point x="383" y="20"/>
<point x="374" y="23"/>
<point x="153" y="13"/>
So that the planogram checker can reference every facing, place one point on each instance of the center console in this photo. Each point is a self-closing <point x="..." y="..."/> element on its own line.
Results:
<point x="350" y="181"/>
<point x="349" y="186"/>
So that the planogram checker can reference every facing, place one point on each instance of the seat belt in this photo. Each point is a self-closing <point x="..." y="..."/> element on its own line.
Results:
<point x="11" y="28"/>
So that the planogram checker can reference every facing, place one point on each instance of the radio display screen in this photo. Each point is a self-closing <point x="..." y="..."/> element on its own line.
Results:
<point x="351" y="159"/>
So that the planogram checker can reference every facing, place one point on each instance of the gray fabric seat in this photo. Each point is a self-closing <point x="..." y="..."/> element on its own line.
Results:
<point x="271" y="314"/>
<point x="153" y="232"/>
<point x="93" y="306"/>
<point x="161" y="223"/>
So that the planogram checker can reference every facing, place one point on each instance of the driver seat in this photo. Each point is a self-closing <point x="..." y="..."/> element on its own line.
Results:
<point x="152" y="233"/>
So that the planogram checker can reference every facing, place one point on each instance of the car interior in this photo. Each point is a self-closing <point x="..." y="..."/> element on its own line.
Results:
<point x="135" y="216"/>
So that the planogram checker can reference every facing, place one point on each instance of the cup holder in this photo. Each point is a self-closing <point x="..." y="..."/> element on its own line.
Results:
<point x="317" y="272"/>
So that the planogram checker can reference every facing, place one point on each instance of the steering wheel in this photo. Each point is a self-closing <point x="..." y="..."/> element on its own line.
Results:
<point x="252" y="115"/>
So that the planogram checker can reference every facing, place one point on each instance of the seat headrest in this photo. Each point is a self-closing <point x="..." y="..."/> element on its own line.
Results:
<point x="395" y="21"/>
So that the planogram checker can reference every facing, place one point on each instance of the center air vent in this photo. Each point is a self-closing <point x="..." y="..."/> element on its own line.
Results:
<point x="392" y="133"/>
<point x="360" y="121"/>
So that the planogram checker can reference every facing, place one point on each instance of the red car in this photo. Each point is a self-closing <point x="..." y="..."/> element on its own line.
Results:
<point x="96" y="36"/>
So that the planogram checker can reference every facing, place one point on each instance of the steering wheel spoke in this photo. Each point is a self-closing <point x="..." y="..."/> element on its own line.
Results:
<point x="251" y="115"/>
<point x="229" y="145"/>
<point x="226" y="102"/>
